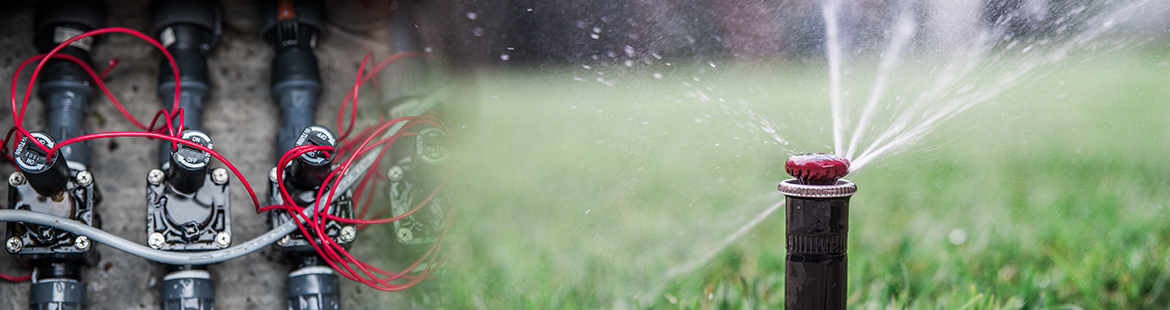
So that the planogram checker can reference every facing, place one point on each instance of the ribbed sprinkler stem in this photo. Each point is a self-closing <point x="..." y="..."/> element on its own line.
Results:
<point x="817" y="221"/>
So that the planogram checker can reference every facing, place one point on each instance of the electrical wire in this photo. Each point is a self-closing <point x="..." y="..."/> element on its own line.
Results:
<point x="200" y="258"/>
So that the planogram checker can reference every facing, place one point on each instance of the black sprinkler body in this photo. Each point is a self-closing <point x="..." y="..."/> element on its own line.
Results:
<point x="817" y="222"/>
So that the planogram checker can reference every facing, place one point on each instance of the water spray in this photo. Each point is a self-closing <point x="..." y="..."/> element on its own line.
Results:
<point x="817" y="221"/>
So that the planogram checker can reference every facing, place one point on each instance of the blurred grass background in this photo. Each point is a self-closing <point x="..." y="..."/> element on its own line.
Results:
<point x="618" y="189"/>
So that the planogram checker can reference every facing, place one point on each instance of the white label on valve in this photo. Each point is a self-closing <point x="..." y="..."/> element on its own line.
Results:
<point x="62" y="34"/>
<point x="167" y="37"/>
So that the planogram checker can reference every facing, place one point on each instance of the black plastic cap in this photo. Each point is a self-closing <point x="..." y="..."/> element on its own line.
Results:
<point x="188" y="167"/>
<point x="309" y="170"/>
<point x="48" y="175"/>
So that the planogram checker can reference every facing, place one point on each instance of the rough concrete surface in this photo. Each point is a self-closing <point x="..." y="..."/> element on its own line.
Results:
<point x="239" y="115"/>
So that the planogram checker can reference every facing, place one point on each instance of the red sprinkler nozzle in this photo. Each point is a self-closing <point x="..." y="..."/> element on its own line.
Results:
<point x="817" y="168"/>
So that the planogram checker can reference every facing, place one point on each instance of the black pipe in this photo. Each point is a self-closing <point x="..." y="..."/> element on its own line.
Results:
<point x="57" y="286"/>
<point x="190" y="30"/>
<point x="292" y="28"/>
<point x="66" y="87"/>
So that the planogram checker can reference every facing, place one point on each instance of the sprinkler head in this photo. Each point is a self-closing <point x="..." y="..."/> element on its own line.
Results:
<point x="817" y="168"/>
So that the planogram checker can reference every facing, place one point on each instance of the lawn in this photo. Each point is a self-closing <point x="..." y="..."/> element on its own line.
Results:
<point x="617" y="188"/>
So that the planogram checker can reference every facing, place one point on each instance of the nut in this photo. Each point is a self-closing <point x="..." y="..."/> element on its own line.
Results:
<point x="16" y="179"/>
<point x="348" y="233"/>
<point x="81" y="242"/>
<point x="272" y="175"/>
<point x="404" y="235"/>
<point x="156" y="240"/>
<point x="395" y="174"/>
<point x="14" y="245"/>
<point x="219" y="176"/>
<point x="84" y="178"/>
<point x="155" y="177"/>
<point x="284" y="240"/>
<point x="223" y="239"/>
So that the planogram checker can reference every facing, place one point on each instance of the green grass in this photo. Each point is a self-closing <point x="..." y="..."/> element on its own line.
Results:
<point x="583" y="195"/>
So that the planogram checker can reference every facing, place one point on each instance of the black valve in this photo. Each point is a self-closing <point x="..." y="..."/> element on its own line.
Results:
<point x="190" y="30"/>
<point x="188" y="209"/>
<point x="312" y="284"/>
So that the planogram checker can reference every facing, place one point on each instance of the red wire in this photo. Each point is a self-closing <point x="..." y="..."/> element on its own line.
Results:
<point x="15" y="278"/>
<point x="18" y="118"/>
<point x="198" y="146"/>
<point x="358" y="82"/>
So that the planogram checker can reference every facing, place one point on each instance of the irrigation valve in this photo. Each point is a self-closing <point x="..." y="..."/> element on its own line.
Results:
<point x="187" y="210"/>
<point x="46" y="184"/>
<point x="817" y="218"/>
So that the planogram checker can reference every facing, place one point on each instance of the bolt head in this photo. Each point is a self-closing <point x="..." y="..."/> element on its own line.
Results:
<point x="155" y="176"/>
<point x="81" y="242"/>
<point x="404" y="235"/>
<point x="395" y="174"/>
<point x="219" y="176"/>
<point x="284" y="240"/>
<point x="348" y="234"/>
<point x="817" y="168"/>
<point x="14" y="245"/>
<point x="156" y="240"/>
<point x="223" y="239"/>
<point x="84" y="178"/>
<point x="16" y="179"/>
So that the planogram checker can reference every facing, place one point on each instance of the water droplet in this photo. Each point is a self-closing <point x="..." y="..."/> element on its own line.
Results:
<point x="511" y="48"/>
<point x="604" y="19"/>
<point x="698" y="120"/>
<point x="529" y="9"/>
<point x="472" y="15"/>
<point x="581" y="24"/>
<point x="578" y="79"/>
<point x="504" y="57"/>
<point x="629" y="51"/>
<point x="629" y="63"/>
<point x="586" y="67"/>
<point x="587" y="210"/>
<point x="957" y="236"/>
<point x="428" y="49"/>
<point x="594" y="36"/>
<point x="596" y="29"/>
<point x="477" y="31"/>
<point x="658" y="75"/>
<point x="572" y="107"/>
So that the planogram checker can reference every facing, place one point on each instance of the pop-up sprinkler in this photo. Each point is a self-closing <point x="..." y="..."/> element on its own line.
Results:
<point x="817" y="201"/>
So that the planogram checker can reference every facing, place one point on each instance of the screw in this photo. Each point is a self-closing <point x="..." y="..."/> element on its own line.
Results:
<point x="219" y="176"/>
<point x="284" y="240"/>
<point x="81" y="242"/>
<point x="84" y="178"/>
<point x="155" y="177"/>
<point x="156" y="240"/>
<point x="223" y="239"/>
<point x="14" y="245"/>
<point x="272" y="175"/>
<point x="16" y="179"/>
<point x="395" y="174"/>
<point x="405" y="235"/>
<point x="348" y="233"/>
